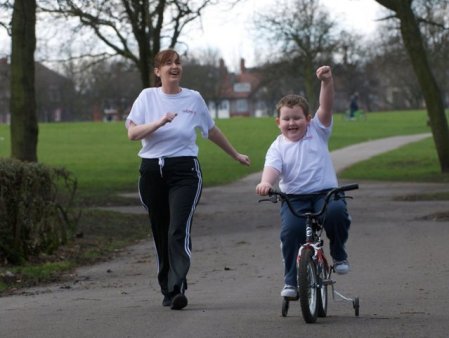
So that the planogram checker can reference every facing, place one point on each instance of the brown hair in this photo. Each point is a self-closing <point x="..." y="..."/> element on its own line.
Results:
<point x="291" y="101"/>
<point x="161" y="59"/>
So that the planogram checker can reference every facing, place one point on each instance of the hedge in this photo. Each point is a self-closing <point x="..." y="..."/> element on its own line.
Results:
<point x="36" y="209"/>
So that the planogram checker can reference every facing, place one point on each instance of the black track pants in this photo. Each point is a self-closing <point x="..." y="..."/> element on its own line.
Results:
<point x="170" y="189"/>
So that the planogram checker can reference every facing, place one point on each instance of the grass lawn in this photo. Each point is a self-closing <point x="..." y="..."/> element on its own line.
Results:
<point x="105" y="163"/>
<point x="415" y="162"/>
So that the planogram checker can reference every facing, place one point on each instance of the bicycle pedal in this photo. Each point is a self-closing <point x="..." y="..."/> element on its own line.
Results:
<point x="292" y="299"/>
<point x="328" y="282"/>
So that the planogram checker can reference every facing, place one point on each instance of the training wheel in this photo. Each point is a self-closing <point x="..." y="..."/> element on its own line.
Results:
<point x="356" y="305"/>
<point x="285" y="304"/>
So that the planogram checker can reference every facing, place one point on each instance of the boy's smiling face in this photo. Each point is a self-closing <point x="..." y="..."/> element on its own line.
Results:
<point x="292" y="122"/>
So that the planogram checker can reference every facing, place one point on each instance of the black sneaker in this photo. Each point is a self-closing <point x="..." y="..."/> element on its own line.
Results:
<point x="179" y="302"/>
<point x="166" y="301"/>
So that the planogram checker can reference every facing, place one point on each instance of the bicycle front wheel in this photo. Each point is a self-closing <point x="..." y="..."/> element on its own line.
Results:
<point x="323" y="272"/>
<point x="307" y="281"/>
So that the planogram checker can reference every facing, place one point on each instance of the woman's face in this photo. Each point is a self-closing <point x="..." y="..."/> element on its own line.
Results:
<point x="292" y="122"/>
<point x="170" y="72"/>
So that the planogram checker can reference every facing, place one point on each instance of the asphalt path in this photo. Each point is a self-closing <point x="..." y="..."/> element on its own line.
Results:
<point x="398" y="254"/>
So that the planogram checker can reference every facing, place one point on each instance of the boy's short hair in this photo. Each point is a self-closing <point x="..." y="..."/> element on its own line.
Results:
<point x="291" y="101"/>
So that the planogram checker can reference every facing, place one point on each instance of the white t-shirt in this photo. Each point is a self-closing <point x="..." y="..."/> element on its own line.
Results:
<point x="305" y="166"/>
<point x="177" y="138"/>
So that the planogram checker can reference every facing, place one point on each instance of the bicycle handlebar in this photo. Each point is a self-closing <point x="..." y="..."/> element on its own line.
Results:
<point x="283" y="196"/>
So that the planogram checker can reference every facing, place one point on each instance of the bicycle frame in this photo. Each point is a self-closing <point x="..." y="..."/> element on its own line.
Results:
<point x="315" y="243"/>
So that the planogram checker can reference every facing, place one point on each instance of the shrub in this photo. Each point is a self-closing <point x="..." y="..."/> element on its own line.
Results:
<point x="36" y="212"/>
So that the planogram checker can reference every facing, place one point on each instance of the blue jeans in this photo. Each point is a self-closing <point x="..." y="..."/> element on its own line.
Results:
<point x="293" y="229"/>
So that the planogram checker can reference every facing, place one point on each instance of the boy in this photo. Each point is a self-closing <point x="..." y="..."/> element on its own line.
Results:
<point x="300" y="159"/>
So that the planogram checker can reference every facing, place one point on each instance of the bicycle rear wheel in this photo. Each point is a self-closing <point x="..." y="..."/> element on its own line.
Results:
<point x="307" y="281"/>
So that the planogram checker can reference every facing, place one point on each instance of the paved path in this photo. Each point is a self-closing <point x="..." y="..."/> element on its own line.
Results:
<point x="400" y="271"/>
<point x="346" y="157"/>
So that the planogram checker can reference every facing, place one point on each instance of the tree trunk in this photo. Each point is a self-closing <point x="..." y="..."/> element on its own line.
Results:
<point x="24" y="127"/>
<point x="413" y="42"/>
<point x="309" y="81"/>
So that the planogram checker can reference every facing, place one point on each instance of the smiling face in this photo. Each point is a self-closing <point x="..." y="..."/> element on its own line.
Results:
<point x="293" y="122"/>
<point x="169" y="69"/>
<point x="293" y="116"/>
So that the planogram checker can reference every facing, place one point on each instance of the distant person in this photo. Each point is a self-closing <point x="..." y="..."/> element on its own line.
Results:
<point x="165" y="118"/>
<point x="299" y="158"/>
<point x="353" y="105"/>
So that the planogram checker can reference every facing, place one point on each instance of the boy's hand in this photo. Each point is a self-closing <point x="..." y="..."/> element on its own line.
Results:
<point x="324" y="73"/>
<point x="263" y="188"/>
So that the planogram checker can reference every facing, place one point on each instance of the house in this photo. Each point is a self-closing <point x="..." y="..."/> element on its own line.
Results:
<point x="239" y="94"/>
<point x="54" y="94"/>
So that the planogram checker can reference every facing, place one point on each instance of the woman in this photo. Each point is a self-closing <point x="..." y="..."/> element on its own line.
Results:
<point x="165" y="119"/>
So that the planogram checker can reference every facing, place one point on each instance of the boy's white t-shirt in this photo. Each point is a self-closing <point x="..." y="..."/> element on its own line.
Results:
<point x="305" y="166"/>
<point x="177" y="138"/>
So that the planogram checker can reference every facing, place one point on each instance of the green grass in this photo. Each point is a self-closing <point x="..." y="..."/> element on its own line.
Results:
<point x="35" y="274"/>
<point x="417" y="162"/>
<point x="105" y="162"/>
<point x="378" y="125"/>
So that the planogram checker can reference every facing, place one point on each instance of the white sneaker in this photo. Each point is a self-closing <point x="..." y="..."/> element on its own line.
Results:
<point x="289" y="291"/>
<point x="342" y="267"/>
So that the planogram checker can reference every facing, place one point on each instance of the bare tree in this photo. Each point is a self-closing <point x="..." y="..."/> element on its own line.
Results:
<point x="5" y="15"/>
<point x="435" y="27"/>
<point x="305" y="31"/>
<point x="133" y="29"/>
<point x="413" y="42"/>
<point x="205" y="71"/>
<point x="389" y="64"/>
<point x="351" y="58"/>
<point x="24" y="127"/>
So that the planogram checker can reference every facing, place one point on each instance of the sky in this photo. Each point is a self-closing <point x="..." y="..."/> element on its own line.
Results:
<point x="231" y="34"/>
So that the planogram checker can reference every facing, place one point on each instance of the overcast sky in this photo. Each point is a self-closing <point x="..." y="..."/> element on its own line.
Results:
<point x="232" y="36"/>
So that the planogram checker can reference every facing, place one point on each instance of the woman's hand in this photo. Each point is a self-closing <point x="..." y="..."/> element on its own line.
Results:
<point x="138" y="132"/>
<point x="167" y="118"/>
<point x="243" y="159"/>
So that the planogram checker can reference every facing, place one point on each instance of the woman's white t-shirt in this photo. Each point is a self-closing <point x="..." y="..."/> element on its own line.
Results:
<point x="177" y="138"/>
<point x="305" y="166"/>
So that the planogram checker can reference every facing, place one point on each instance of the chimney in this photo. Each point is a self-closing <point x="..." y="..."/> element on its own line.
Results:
<point x="223" y="69"/>
<point x="242" y="65"/>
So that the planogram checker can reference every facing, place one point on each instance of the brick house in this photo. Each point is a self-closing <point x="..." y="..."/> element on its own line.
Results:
<point x="239" y="94"/>
<point x="54" y="94"/>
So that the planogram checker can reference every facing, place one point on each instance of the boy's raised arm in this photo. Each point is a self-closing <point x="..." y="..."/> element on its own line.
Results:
<point x="324" y="74"/>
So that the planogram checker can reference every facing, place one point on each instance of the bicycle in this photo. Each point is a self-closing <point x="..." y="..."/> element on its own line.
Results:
<point x="313" y="270"/>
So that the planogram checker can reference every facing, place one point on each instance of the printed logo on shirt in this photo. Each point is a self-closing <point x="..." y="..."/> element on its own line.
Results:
<point x="189" y="111"/>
